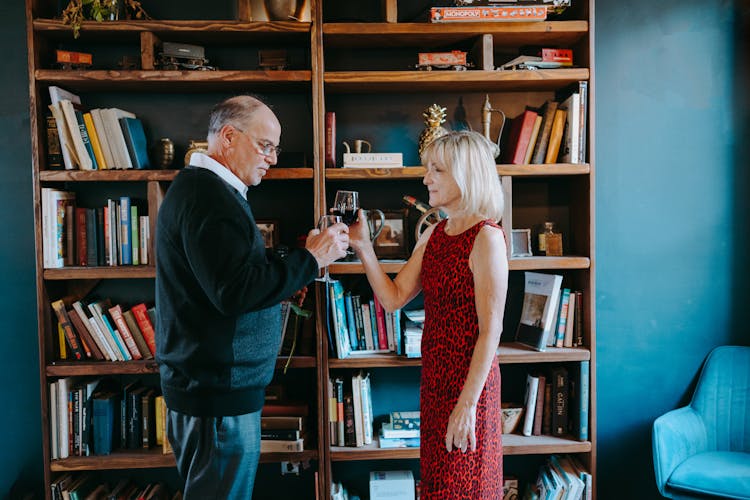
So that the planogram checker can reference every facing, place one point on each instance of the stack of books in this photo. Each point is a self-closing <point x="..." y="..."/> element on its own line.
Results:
<point x="401" y="431"/>
<point x="414" y="323"/>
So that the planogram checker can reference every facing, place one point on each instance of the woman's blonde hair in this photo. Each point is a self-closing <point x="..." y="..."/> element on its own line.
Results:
<point x="469" y="157"/>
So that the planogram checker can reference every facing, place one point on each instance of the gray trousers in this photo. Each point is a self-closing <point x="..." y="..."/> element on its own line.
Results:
<point x="217" y="457"/>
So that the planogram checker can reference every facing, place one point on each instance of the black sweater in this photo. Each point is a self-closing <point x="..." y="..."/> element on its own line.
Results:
<point x="217" y="298"/>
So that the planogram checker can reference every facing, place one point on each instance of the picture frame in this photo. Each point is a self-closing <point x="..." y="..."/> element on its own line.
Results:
<point x="269" y="229"/>
<point x="391" y="243"/>
<point x="520" y="243"/>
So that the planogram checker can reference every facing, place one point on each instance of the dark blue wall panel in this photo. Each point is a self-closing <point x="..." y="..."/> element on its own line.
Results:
<point x="20" y="419"/>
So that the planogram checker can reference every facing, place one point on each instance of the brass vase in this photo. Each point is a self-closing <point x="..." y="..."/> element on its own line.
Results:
<point x="281" y="10"/>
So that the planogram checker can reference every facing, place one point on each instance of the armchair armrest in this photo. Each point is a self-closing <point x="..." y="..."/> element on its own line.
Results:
<point x="677" y="435"/>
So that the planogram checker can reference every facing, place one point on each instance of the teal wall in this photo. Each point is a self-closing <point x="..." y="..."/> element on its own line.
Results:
<point x="671" y="187"/>
<point x="20" y="418"/>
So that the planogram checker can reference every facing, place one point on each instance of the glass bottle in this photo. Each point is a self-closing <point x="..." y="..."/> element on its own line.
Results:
<point x="550" y="241"/>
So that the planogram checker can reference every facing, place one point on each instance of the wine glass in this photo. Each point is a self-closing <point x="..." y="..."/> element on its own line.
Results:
<point x="346" y="205"/>
<point x="324" y="222"/>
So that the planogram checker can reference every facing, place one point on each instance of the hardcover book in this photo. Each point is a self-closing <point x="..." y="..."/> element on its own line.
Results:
<point x="135" y="140"/>
<point x="540" y="299"/>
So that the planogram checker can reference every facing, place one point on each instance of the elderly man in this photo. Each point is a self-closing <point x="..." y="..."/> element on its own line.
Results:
<point x="218" y="295"/>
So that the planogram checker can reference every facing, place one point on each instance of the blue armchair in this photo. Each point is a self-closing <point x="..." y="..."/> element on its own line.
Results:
<point x="703" y="449"/>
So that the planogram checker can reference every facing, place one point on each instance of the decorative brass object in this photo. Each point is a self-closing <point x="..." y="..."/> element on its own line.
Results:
<point x="487" y="111"/>
<point x="195" y="147"/>
<point x="164" y="153"/>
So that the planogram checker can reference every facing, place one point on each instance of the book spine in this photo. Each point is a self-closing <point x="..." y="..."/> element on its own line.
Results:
<point x="54" y="153"/>
<point x="560" y="402"/>
<point x="126" y="250"/>
<point x="358" y="323"/>
<point x="380" y="318"/>
<point x="62" y="316"/>
<point x="86" y="140"/>
<point x="135" y="244"/>
<point x="280" y="434"/>
<point x="330" y="140"/>
<point x="93" y="134"/>
<point x="144" y="323"/>
<point x="122" y="327"/>
<point x="135" y="331"/>
<point x="350" y="321"/>
<point x="87" y="343"/>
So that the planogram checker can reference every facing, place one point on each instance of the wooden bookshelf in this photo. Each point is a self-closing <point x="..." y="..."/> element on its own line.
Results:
<point x="323" y="83"/>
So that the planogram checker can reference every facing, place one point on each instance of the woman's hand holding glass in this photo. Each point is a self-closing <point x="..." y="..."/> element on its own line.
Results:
<point x="359" y="233"/>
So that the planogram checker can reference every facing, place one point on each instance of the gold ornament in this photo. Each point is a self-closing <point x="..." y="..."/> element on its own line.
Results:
<point x="434" y="117"/>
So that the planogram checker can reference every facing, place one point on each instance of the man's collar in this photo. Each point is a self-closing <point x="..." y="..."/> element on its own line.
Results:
<point x="204" y="161"/>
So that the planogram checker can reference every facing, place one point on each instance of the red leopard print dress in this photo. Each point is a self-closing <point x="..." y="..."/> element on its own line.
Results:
<point x="450" y="334"/>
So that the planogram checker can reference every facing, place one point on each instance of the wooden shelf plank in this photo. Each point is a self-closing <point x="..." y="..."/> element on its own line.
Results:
<point x="152" y="175"/>
<point x="515" y="263"/>
<point x="154" y="459"/>
<point x="348" y="173"/>
<point x="468" y="81"/>
<point x="430" y="35"/>
<point x="104" y="272"/>
<point x="374" y="361"/>
<point x="137" y="80"/>
<point x="198" y="31"/>
<point x="509" y="353"/>
<point x="74" y="368"/>
<point x="513" y="444"/>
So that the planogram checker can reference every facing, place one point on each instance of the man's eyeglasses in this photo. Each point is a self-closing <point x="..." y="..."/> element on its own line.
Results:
<point x="266" y="148"/>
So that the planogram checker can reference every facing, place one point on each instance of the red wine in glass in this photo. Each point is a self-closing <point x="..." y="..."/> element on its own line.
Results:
<point x="346" y="205"/>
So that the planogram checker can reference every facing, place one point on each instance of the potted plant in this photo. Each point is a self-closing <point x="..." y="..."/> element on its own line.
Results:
<point x="100" y="10"/>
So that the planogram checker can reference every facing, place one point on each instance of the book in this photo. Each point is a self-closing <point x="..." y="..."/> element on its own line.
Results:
<point x="67" y="150"/>
<point x="539" y="408"/>
<point x="103" y="421"/>
<point x="555" y="137"/>
<point x="93" y="136"/>
<point x="569" y="325"/>
<point x="351" y="326"/>
<point x="280" y="434"/>
<point x="54" y="153"/>
<point x="562" y="318"/>
<point x="532" y="140"/>
<point x="540" y="148"/>
<point x="85" y="160"/>
<point x="144" y="324"/>
<point x="125" y="249"/>
<point x="484" y="14"/>
<point x="101" y="135"/>
<point x="330" y="139"/>
<point x="87" y="321"/>
<point x="404" y="419"/>
<point x="281" y="446"/>
<point x="560" y="403"/>
<point x="388" y="432"/>
<point x="540" y="299"/>
<point x="62" y="316"/>
<point x="88" y="342"/>
<point x="392" y="485"/>
<point x="117" y="316"/>
<point x="115" y="137"/>
<point x="410" y="442"/>
<point x="529" y="405"/>
<point x="569" y="147"/>
<point x="379" y="160"/>
<point x="519" y="136"/>
<point x="285" y="409"/>
<point x="135" y="140"/>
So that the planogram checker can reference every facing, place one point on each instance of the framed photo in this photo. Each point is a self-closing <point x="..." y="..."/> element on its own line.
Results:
<point x="391" y="242"/>
<point x="520" y="243"/>
<point x="269" y="229"/>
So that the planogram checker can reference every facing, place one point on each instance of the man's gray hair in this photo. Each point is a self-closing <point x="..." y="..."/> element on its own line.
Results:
<point x="237" y="111"/>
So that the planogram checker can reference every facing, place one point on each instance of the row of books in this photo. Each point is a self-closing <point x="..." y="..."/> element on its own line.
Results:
<point x="95" y="416"/>
<point x="99" y="139"/>
<point x="551" y="315"/>
<point x="350" y="412"/>
<point x="554" y="133"/>
<point x="556" y="402"/>
<point x="562" y="477"/>
<point x="116" y="234"/>
<point x="71" y="486"/>
<point x="98" y="330"/>
<point x="357" y="326"/>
